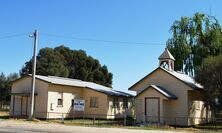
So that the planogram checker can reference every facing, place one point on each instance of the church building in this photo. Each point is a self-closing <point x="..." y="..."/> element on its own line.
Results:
<point x="170" y="97"/>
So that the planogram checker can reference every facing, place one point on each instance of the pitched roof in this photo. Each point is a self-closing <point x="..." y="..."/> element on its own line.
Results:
<point x="161" y="90"/>
<point x="83" y="84"/>
<point x="185" y="78"/>
<point x="166" y="55"/>
<point x="178" y="75"/>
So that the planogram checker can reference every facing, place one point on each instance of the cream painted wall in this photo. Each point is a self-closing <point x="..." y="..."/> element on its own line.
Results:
<point x="46" y="101"/>
<point x="102" y="109"/>
<point x="174" y="108"/>
<point x="23" y="86"/>
<point x="197" y="110"/>
<point x="121" y="111"/>
<point x="65" y="110"/>
<point x="140" y="100"/>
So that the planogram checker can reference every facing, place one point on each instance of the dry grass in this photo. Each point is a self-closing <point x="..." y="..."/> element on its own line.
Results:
<point x="3" y="113"/>
<point x="104" y="123"/>
<point x="107" y="124"/>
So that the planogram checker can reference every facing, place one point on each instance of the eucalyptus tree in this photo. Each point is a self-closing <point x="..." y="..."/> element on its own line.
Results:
<point x="193" y="39"/>
<point x="5" y="85"/>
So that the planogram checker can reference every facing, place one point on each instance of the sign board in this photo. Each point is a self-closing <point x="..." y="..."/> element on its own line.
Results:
<point x="79" y="105"/>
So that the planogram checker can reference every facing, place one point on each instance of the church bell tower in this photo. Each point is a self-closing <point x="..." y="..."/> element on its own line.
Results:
<point x="166" y="60"/>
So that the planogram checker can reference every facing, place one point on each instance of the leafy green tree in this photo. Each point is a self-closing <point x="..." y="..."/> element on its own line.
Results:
<point x="193" y="39"/>
<point x="49" y="62"/>
<point x="209" y="74"/>
<point x="3" y="80"/>
<point x="64" y="62"/>
<point x="5" y="85"/>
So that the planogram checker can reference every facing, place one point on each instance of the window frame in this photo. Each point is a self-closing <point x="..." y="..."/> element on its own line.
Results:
<point x="60" y="100"/>
<point x="94" y="102"/>
<point x="116" y="103"/>
<point x="125" y="103"/>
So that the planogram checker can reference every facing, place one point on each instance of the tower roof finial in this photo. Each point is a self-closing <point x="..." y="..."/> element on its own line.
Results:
<point x="166" y="55"/>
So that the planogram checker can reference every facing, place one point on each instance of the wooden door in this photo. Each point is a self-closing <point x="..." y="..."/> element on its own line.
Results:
<point x="24" y="106"/>
<point x="152" y="109"/>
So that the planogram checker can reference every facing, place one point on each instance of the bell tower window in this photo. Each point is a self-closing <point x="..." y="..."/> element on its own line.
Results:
<point x="166" y="60"/>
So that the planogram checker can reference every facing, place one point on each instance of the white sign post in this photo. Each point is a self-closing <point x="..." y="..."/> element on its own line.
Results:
<point x="79" y="105"/>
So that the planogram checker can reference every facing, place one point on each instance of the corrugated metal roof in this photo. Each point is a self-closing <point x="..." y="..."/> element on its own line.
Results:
<point x="185" y="78"/>
<point x="180" y="76"/>
<point x="165" y="92"/>
<point x="84" y="84"/>
<point x="161" y="90"/>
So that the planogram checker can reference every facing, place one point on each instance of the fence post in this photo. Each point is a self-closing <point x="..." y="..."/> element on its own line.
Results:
<point x="215" y="127"/>
<point x="72" y="114"/>
<point x="47" y="115"/>
<point x="124" y="119"/>
<point x="151" y="118"/>
<point x="99" y="117"/>
<point x="188" y="120"/>
<point x="94" y="120"/>
<point x="175" y="123"/>
<point x="145" y="118"/>
<point x="62" y="119"/>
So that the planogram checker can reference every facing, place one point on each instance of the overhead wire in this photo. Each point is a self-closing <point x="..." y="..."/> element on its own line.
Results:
<point x="83" y="39"/>
<point x="100" y="40"/>
<point x="14" y="35"/>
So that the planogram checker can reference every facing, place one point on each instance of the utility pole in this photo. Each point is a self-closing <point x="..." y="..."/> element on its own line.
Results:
<point x="32" y="94"/>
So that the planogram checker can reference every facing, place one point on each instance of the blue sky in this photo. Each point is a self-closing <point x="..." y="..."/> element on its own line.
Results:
<point x="122" y="20"/>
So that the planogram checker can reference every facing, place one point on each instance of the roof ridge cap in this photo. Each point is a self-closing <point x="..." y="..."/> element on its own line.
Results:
<point x="57" y="77"/>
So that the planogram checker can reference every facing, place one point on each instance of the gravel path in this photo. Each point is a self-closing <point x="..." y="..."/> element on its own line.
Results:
<point x="18" y="126"/>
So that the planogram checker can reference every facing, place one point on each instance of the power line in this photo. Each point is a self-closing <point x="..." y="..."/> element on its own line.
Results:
<point x="99" y="40"/>
<point x="14" y="35"/>
<point x="83" y="39"/>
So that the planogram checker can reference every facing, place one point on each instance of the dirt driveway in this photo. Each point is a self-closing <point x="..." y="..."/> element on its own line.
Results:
<point x="18" y="126"/>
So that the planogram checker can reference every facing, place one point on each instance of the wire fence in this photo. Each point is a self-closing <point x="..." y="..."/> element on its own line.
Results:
<point x="80" y="118"/>
<point x="124" y="120"/>
<point x="174" y="121"/>
<point x="196" y="122"/>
